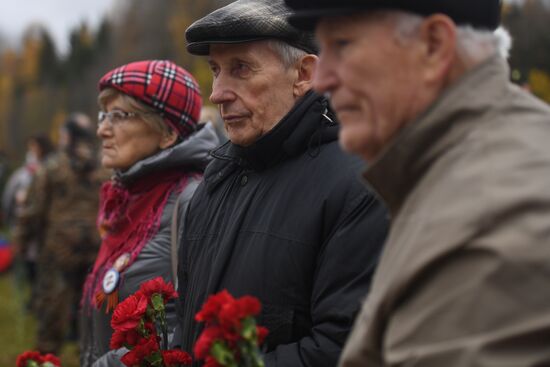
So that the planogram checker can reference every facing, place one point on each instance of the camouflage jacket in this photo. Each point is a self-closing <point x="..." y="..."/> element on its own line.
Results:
<point x="61" y="211"/>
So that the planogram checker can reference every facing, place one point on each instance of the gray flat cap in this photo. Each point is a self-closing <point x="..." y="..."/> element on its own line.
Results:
<point x="245" y="21"/>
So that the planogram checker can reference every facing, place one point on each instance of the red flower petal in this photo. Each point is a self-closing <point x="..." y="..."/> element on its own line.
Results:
<point x="262" y="334"/>
<point x="249" y="306"/>
<point x="212" y="306"/>
<point x="158" y="286"/>
<point x="145" y="348"/>
<point x="176" y="357"/>
<point x="52" y="359"/>
<point x="121" y="338"/>
<point x="24" y="357"/>
<point x="205" y="341"/>
<point x="129" y="312"/>
<point x="211" y="362"/>
<point x="230" y="317"/>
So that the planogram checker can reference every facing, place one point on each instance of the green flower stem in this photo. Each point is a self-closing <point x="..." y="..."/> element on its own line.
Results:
<point x="164" y="329"/>
<point x="160" y="315"/>
<point x="251" y="356"/>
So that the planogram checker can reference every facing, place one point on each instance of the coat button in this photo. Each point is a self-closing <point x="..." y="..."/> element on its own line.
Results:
<point x="244" y="180"/>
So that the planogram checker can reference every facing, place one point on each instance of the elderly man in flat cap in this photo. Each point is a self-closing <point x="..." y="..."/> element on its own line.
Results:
<point x="281" y="214"/>
<point x="462" y="159"/>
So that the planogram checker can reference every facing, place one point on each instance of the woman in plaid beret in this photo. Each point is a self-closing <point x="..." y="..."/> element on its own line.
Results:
<point x="148" y="125"/>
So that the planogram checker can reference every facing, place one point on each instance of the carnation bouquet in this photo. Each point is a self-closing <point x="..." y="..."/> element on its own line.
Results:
<point x="231" y="337"/>
<point x="35" y="359"/>
<point x="139" y="324"/>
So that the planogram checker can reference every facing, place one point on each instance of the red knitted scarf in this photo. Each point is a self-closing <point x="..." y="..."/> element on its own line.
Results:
<point x="128" y="218"/>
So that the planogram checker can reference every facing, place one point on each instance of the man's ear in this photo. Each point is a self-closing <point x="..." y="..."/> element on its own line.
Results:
<point x="438" y="35"/>
<point x="168" y="140"/>
<point x="306" y="69"/>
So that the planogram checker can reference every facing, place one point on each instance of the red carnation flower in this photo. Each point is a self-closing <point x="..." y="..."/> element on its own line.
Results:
<point x="52" y="359"/>
<point x="232" y="314"/>
<point x="129" y="312"/>
<point x="117" y="339"/>
<point x="131" y="358"/>
<point x="230" y="327"/>
<point x="158" y="286"/>
<point x="213" y="305"/>
<point x="229" y="317"/>
<point x="262" y="334"/>
<point x="122" y="338"/>
<point x="249" y="306"/>
<point x="205" y="341"/>
<point x="176" y="357"/>
<point x="149" y="345"/>
<point x="211" y="362"/>
<point x="145" y="348"/>
<point x="150" y="328"/>
<point x="23" y="358"/>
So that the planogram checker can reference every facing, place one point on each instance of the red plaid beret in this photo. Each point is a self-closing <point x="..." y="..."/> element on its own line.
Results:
<point x="162" y="85"/>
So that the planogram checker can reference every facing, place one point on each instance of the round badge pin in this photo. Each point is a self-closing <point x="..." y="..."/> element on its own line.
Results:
<point x="110" y="281"/>
<point x="121" y="262"/>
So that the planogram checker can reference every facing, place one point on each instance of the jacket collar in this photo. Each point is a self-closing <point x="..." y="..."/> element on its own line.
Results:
<point x="446" y="122"/>
<point x="193" y="153"/>
<point x="304" y="127"/>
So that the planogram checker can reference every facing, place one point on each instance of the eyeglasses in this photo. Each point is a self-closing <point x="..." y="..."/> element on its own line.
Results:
<point x="116" y="117"/>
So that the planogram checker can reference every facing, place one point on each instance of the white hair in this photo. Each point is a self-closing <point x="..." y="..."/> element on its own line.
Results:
<point x="473" y="45"/>
<point x="289" y="54"/>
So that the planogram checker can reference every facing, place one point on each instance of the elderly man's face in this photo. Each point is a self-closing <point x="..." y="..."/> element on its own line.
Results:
<point x="372" y="79"/>
<point x="252" y="88"/>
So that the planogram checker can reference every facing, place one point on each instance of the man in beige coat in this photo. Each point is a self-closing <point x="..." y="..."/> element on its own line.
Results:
<point x="462" y="159"/>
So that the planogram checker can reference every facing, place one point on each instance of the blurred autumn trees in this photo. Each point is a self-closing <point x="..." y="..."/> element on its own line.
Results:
<point x="529" y="24"/>
<point x="39" y="87"/>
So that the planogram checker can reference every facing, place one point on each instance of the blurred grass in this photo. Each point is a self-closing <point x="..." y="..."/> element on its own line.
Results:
<point x="18" y="328"/>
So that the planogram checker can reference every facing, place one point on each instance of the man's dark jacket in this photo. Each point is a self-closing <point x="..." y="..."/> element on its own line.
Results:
<point x="286" y="220"/>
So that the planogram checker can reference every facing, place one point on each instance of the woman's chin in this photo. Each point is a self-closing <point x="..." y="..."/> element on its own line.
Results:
<point x="108" y="163"/>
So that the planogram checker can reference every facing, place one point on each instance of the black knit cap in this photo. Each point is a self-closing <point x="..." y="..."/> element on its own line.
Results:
<point x="245" y="21"/>
<point x="480" y="14"/>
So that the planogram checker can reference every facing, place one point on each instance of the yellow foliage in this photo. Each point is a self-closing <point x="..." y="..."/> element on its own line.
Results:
<point x="28" y="62"/>
<point x="6" y="100"/>
<point x="201" y="71"/>
<point x="85" y="36"/>
<point x="6" y="86"/>
<point x="57" y="121"/>
<point x="539" y="83"/>
<point x="177" y="26"/>
<point x="9" y="61"/>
